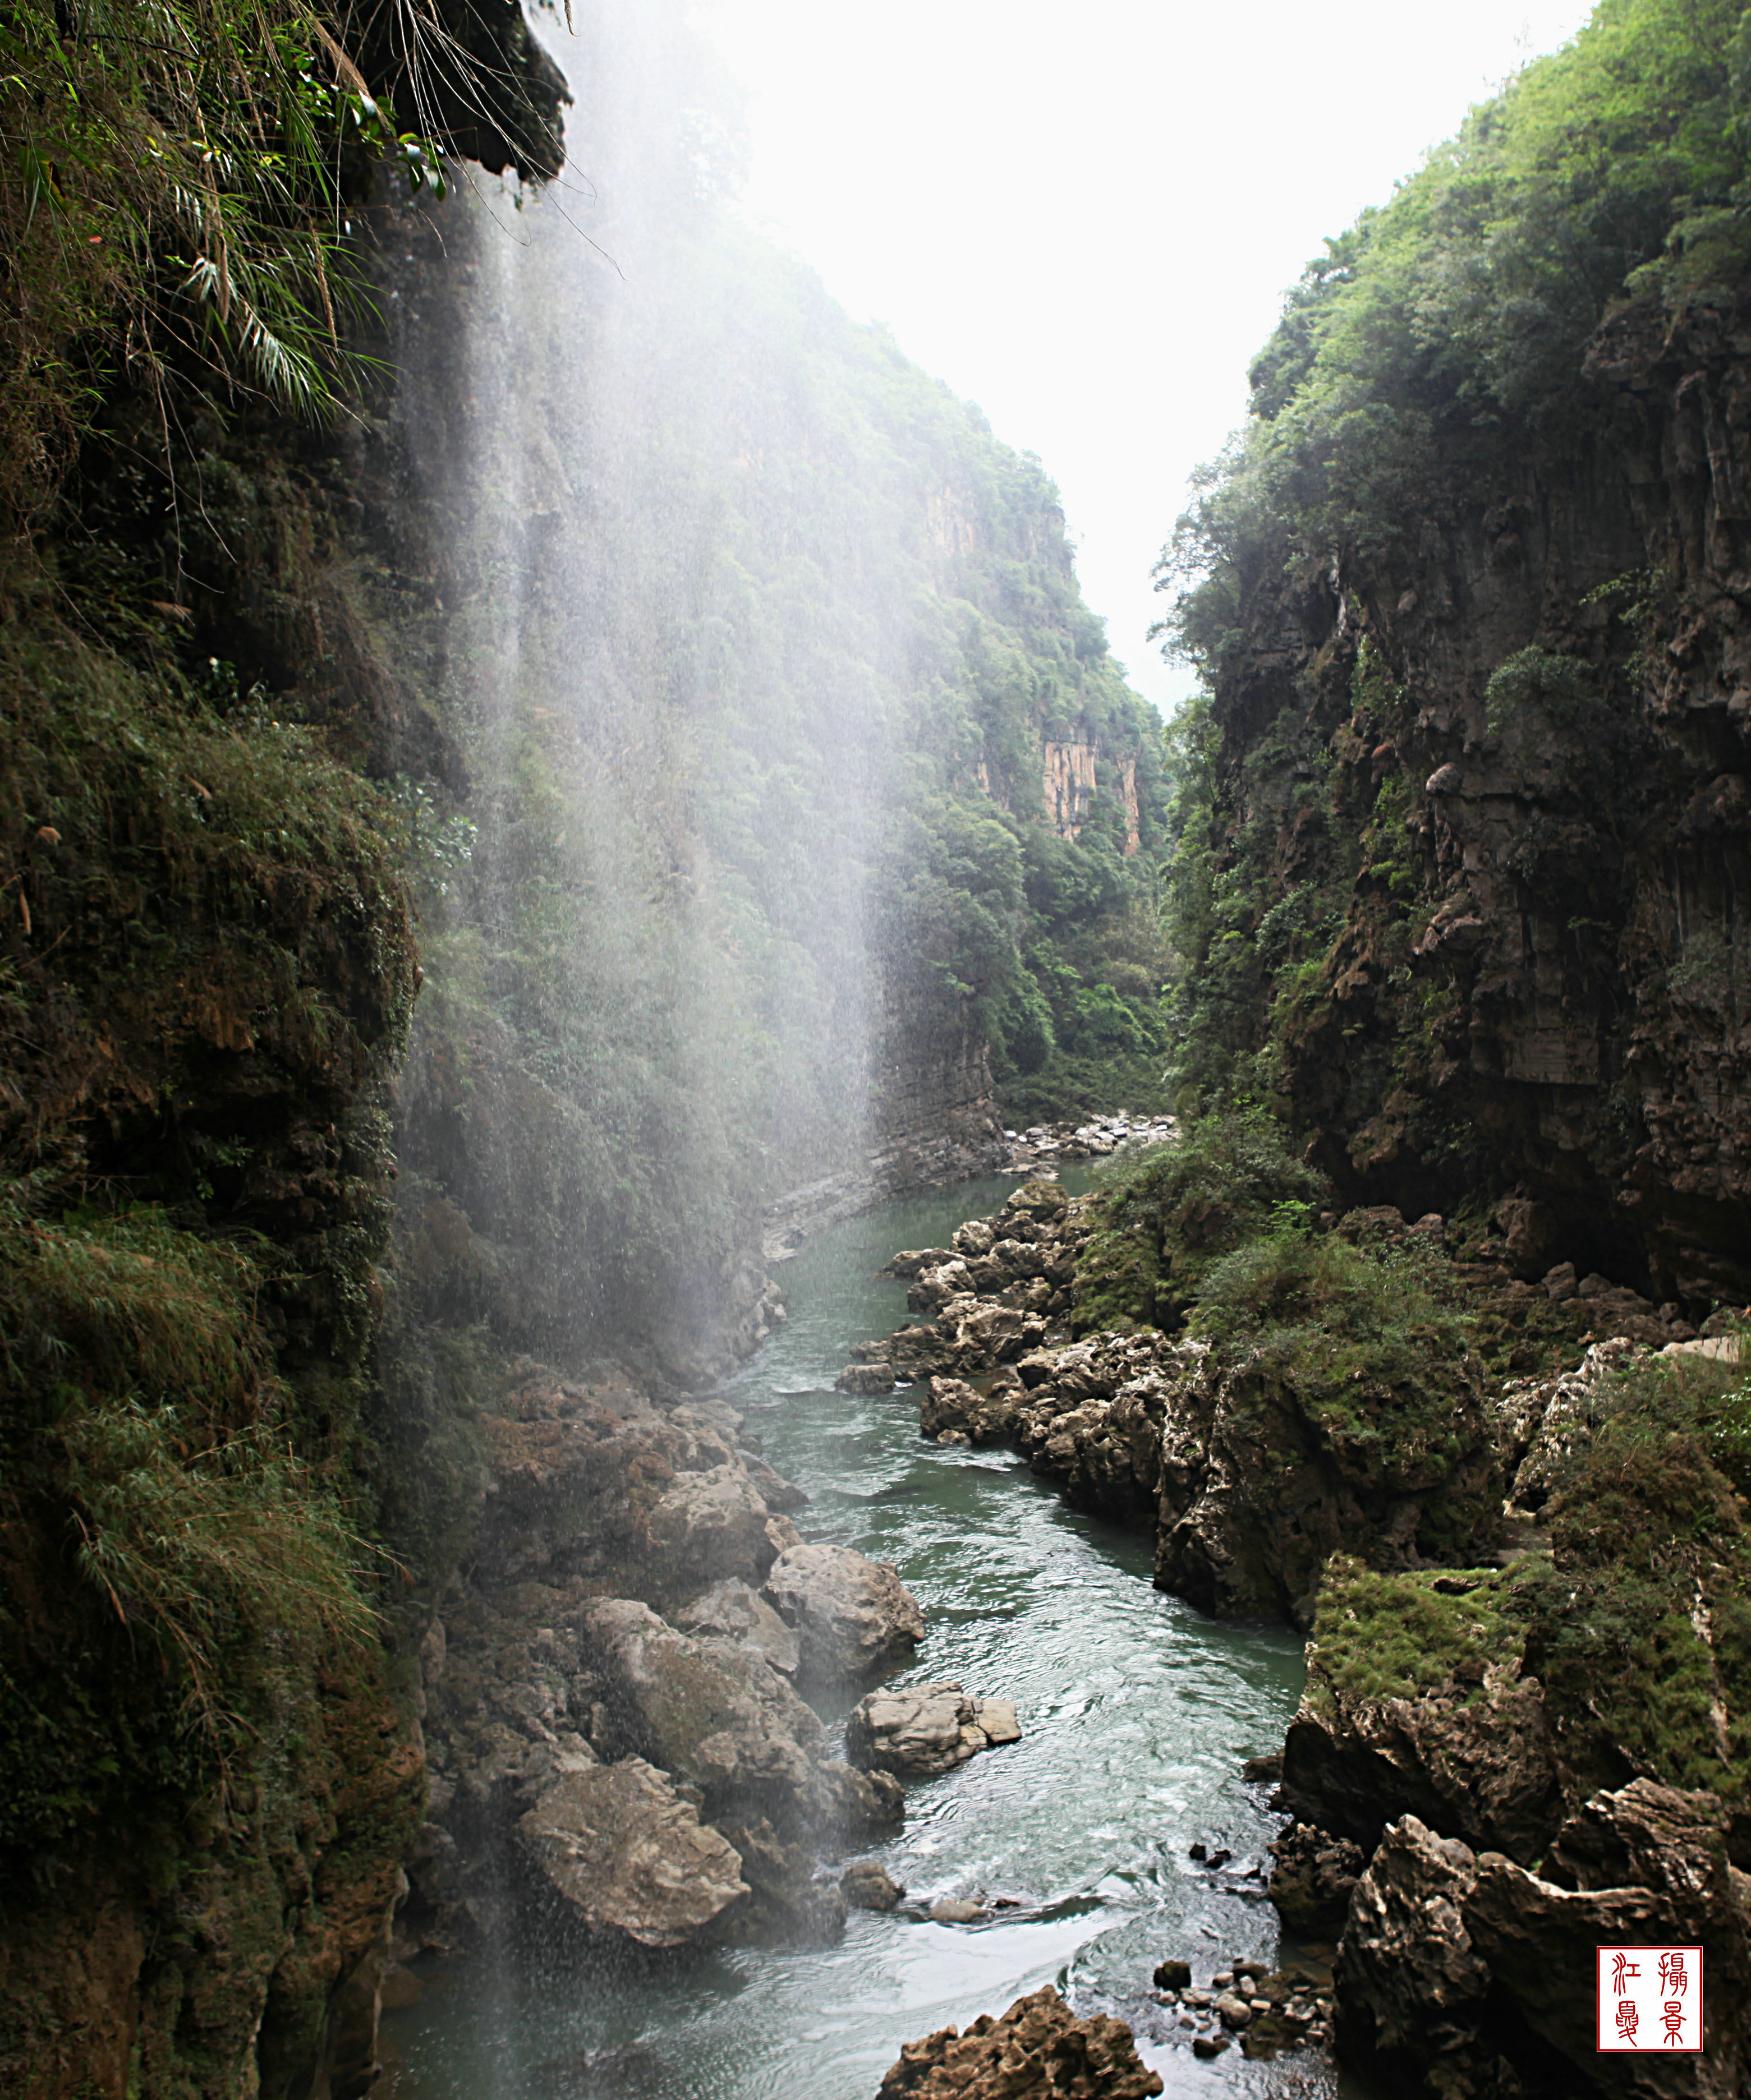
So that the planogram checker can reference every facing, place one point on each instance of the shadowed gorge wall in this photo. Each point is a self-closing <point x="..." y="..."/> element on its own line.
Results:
<point x="609" y="667"/>
<point x="1470" y="782"/>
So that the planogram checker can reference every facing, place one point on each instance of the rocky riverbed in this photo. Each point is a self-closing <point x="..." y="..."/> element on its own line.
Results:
<point x="1453" y="1829"/>
<point x="1129" y="1715"/>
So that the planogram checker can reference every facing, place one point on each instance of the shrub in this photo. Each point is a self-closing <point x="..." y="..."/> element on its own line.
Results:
<point x="1170" y="1215"/>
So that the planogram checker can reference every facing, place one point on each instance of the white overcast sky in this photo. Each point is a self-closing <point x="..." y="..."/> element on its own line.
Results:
<point x="1084" y="217"/>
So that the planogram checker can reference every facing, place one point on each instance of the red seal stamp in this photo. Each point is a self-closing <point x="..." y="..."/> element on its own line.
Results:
<point x="1650" y="1999"/>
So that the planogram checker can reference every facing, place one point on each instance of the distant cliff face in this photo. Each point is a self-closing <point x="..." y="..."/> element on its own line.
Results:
<point x="1072" y="779"/>
<point x="1508" y="762"/>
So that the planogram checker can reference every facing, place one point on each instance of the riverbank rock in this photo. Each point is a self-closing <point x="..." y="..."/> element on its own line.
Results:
<point x="1038" y="2050"/>
<point x="1467" y="1967"/>
<point x="1312" y="1877"/>
<point x="917" y="1731"/>
<point x="952" y="1408"/>
<point x="718" y="1716"/>
<point x="851" y="1616"/>
<point x="1250" y="1475"/>
<point x="877" y="1376"/>
<point x="629" y="1856"/>
<point x="605" y="1511"/>
<point x="732" y="1611"/>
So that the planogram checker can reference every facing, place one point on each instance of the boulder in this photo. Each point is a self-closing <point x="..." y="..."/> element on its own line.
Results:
<point x="871" y="1378"/>
<point x="732" y="1611"/>
<point x="919" y="1730"/>
<point x="780" y="1495"/>
<point x="630" y="1855"/>
<point x="789" y="1904"/>
<point x="1038" y="2050"/>
<point x="709" y="1525"/>
<point x="867" y="1885"/>
<point x="851" y="1616"/>
<point x="717" y="1715"/>
<point x="1038" y="1201"/>
<point x="913" y="1261"/>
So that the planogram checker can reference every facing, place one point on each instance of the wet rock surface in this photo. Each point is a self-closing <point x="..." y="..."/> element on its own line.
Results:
<point x="867" y="1885"/>
<point x="630" y="1854"/>
<point x="851" y="1616"/>
<point x="731" y="1611"/>
<point x="610" y="1723"/>
<point x="1038" y="2050"/>
<point x="917" y="1730"/>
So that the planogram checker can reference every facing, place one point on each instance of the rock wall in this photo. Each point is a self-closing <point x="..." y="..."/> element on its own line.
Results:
<point x="1072" y="777"/>
<point x="1537" y="989"/>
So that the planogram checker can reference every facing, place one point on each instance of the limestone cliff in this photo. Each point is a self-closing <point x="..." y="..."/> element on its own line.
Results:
<point x="1535" y="994"/>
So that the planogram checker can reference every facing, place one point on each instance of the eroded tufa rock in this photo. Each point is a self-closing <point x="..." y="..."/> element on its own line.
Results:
<point x="1039" y="2050"/>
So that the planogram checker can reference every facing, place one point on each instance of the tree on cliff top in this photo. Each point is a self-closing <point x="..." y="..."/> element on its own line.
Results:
<point x="1458" y="313"/>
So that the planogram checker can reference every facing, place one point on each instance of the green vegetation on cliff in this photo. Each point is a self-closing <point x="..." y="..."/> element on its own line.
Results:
<point x="1425" y="432"/>
<point x="206" y="969"/>
<point x="1632" y="1628"/>
<point x="1450" y="324"/>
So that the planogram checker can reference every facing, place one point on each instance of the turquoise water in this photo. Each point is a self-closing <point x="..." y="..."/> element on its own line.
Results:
<point x="1135" y="1712"/>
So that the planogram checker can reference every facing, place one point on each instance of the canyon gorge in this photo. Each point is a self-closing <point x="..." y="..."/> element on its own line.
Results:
<point x="555" y="784"/>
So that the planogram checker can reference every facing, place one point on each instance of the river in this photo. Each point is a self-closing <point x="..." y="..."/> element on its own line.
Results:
<point x="1136" y="1712"/>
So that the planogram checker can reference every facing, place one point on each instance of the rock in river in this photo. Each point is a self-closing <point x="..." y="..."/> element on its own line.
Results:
<point x="1039" y="2050"/>
<point x="867" y="1885"/>
<point x="852" y="1617"/>
<point x="921" y="1729"/>
<point x="630" y="1856"/>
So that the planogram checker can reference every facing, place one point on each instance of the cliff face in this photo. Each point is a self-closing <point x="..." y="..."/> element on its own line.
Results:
<point x="210" y="1765"/>
<point x="1509" y="756"/>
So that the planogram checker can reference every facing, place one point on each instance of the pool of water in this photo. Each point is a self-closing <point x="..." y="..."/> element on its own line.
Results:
<point x="1136" y="1712"/>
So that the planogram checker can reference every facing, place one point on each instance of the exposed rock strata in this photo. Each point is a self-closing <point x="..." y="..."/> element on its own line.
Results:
<point x="1038" y="2050"/>
<point x="1477" y="1974"/>
<point x="1473" y="1758"/>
